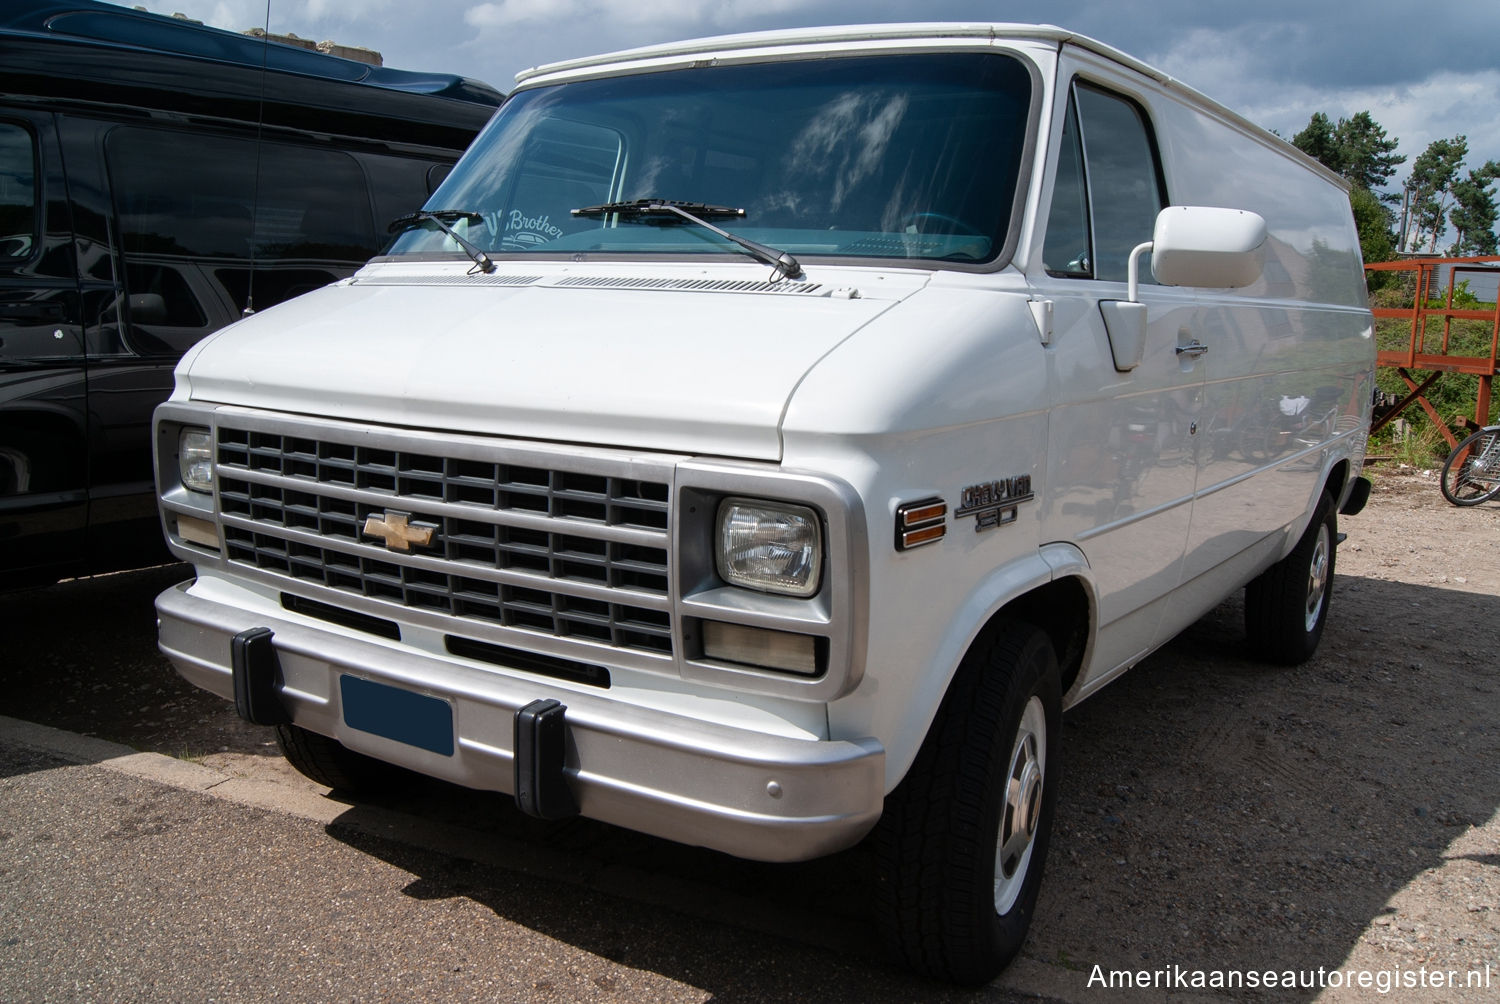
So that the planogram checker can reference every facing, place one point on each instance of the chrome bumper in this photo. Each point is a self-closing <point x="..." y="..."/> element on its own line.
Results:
<point x="747" y="793"/>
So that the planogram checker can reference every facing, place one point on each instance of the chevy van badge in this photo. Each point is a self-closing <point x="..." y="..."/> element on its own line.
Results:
<point x="398" y="533"/>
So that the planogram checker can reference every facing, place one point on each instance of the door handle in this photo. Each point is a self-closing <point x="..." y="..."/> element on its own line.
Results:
<point x="1192" y="349"/>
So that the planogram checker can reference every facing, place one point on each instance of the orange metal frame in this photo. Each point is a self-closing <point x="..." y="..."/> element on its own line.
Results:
<point x="1418" y="354"/>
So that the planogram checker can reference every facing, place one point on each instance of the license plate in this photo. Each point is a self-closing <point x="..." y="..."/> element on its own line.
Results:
<point x="414" y="719"/>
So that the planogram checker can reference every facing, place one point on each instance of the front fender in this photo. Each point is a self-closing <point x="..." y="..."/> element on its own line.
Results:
<point x="899" y="708"/>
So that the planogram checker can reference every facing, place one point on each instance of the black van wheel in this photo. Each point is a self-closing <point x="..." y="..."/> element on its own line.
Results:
<point x="1286" y="606"/>
<point x="960" y="847"/>
<point x="331" y="763"/>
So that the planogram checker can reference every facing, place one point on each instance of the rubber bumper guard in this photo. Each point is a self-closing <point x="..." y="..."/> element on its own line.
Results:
<point x="541" y="742"/>
<point x="257" y="677"/>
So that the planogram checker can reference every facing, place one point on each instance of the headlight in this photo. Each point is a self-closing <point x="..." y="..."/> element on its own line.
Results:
<point x="195" y="459"/>
<point x="770" y="547"/>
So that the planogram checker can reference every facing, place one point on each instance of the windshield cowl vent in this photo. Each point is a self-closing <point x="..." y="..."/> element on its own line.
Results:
<point x="691" y="285"/>
<point x="445" y="280"/>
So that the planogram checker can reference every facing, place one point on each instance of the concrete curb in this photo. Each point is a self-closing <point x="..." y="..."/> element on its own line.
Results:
<point x="181" y="774"/>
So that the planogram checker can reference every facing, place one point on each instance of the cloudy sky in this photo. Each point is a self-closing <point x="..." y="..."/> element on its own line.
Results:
<point x="1423" y="71"/>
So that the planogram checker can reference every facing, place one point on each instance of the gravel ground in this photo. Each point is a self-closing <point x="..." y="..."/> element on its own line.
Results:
<point x="1215" y="815"/>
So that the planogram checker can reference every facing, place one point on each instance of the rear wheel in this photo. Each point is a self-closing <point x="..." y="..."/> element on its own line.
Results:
<point x="1287" y="605"/>
<point x="1471" y="474"/>
<point x="961" y="844"/>
<point x="331" y="763"/>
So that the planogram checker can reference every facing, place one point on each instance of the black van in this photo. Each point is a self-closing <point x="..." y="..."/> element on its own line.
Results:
<point x="157" y="179"/>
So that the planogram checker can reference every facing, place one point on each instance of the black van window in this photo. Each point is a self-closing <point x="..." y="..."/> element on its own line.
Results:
<point x="17" y="193"/>
<point x="191" y="195"/>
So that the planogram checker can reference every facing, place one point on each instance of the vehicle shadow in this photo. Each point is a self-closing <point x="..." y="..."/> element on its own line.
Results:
<point x="734" y="929"/>
<point x="81" y="655"/>
<point x="1215" y="813"/>
<point x="1221" y="814"/>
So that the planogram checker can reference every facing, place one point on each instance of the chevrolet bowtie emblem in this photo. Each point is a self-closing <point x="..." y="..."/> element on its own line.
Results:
<point x="397" y="532"/>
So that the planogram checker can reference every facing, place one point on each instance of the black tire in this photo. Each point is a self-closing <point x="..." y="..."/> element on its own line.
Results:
<point x="1471" y="474"/>
<point x="1286" y="607"/>
<point x="331" y="763"/>
<point x="938" y="845"/>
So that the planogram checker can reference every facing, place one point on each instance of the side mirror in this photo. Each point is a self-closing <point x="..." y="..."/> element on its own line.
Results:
<point x="1211" y="248"/>
<point x="147" y="308"/>
<point x="1190" y="246"/>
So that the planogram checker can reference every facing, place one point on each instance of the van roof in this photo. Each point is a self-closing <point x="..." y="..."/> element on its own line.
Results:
<point x="833" y="35"/>
<point x="111" y="26"/>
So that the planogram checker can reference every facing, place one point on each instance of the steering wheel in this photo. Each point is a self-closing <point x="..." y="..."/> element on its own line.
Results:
<point x="950" y="224"/>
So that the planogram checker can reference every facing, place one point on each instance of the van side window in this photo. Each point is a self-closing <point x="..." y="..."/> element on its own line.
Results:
<point x="191" y="195"/>
<point x="1066" y="250"/>
<point x="190" y="229"/>
<point x="1121" y="180"/>
<point x="18" y="230"/>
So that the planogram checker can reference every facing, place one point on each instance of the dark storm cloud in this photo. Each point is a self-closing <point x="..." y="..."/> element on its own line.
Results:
<point x="1376" y="42"/>
<point x="1424" y="71"/>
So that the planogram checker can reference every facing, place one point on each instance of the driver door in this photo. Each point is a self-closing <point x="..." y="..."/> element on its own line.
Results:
<point x="1120" y="437"/>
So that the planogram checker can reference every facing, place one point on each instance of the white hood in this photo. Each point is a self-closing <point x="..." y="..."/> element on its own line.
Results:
<point x="673" y="369"/>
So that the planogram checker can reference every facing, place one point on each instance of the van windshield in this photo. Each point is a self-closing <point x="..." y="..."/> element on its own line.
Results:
<point x="910" y="156"/>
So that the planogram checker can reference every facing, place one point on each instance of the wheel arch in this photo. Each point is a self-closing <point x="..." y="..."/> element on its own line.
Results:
<point x="1063" y="606"/>
<point x="1335" y="483"/>
<point x="46" y="449"/>
<point x="1052" y="589"/>
<point x="1332" y="483"/>
<point x="1064" y="610"/>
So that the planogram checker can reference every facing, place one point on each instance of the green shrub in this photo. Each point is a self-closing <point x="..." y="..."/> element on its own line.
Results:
<point x="1454" y="394"/>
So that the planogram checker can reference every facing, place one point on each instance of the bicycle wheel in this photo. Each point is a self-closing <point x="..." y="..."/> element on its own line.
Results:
<point x="1471" y="474"/>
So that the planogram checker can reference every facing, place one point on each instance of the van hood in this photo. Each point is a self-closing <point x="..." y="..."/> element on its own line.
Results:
<point x="656" y="364"/>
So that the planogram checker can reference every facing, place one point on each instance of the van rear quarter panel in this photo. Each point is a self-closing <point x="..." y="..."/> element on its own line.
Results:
<point x="1300" y="337"/>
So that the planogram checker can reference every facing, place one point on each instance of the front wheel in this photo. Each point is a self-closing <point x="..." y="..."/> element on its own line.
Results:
<point x="1471" y="474"/>
<point x="961" y="844"/>
<point x="1287" y="605"/>
<point x="331" y="763"/>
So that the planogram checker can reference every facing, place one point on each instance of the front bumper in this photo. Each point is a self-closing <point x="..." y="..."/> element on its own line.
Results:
<point x="747" y="793"/>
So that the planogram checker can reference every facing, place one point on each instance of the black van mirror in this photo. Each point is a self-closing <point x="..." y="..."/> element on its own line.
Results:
<point x="147" y="308"/>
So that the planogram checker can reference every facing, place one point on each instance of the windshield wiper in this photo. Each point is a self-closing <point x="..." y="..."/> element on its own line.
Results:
<point x="694" y="212"/>
<point x="438" y="216"/>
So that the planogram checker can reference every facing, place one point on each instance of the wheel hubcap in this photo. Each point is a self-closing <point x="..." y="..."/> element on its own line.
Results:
<point x="1021" y="813"/>
<point x="1317" y="578"/>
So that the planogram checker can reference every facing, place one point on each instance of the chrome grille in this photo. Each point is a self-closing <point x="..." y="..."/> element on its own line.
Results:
<point x="572" y="554"/>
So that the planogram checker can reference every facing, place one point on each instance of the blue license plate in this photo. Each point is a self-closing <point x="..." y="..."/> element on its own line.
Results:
<point x="414" y="719"/>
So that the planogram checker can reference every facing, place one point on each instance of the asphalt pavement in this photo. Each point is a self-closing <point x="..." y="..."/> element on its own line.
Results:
<point x="155" y="847"/>
<point x="1213" y="812"/>
<point x="129" y="876"/>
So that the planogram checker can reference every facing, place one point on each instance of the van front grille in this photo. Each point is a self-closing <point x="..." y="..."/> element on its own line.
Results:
<point x="570" y="553"/>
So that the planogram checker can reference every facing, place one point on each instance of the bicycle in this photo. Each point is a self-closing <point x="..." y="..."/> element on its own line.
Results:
<point x="1471" y="474"/>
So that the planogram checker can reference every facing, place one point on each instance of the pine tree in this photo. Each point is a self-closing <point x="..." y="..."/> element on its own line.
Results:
<point x="1473" y="214"/>
<point x="1424" y="197"/>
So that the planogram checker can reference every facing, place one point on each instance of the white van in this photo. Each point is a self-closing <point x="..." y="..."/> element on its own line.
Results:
<point x="760" y="441"/>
